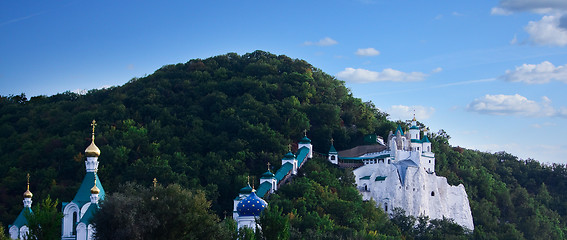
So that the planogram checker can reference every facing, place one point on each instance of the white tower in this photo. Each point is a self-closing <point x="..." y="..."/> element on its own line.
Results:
<point x="306" y="142"/>
<point x="333" y="154"/>
<point x="19" y="229"/>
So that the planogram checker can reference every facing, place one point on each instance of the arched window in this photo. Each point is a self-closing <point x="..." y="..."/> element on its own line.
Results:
<point x="333" y="157"/>
<point x="75" y="219"/>
<point x="432" y="193"/>
<point x="385" y="207"/>
<point x="365" y="187"/>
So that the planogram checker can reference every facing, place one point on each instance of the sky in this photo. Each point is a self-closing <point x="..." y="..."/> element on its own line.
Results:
<point x="492" y="74"/>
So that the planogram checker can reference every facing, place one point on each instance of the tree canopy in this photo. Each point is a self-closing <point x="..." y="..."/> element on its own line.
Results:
<point x="207" y="124"/>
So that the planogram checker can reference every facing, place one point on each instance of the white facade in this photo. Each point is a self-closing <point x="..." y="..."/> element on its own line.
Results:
<point x="403" y="176"/>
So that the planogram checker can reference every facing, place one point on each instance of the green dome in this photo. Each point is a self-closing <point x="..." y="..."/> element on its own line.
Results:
<point x="305" y="140"/>
<point x="268" y="175"/>
<point x="289" y="156"/>
<point x="246" y="190"/>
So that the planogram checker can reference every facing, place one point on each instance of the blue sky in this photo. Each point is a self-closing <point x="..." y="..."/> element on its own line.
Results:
<point x="490" y="73"/>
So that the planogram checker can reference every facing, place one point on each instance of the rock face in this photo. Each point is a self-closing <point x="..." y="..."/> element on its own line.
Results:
<point x="422" y="193"/>
<point x="401" y="174"/>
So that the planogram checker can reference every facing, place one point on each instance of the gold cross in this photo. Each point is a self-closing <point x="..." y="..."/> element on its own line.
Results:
<point x="289" y="147"/>
<point x="93" y="124"/>
<point x="155" y="182"/>
<point x="305" y="132"/>
<point x="28" y="181"/>
<point x="332" y="141"/>
<point x="268" y="166"/>
<point x="248" y="179"/>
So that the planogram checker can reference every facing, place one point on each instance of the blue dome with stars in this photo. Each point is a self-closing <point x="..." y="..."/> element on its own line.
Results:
<point x="251" y="205"/>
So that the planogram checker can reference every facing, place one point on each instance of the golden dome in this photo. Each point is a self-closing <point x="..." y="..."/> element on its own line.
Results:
<point x="27" y="193"/>
<point x="94" y="189"/>
<point x="92" y="150"/>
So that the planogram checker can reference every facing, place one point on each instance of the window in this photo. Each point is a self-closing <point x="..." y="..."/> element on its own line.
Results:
<point x="74" y="222"/>
<point x="333" y="157"/>
<point x="385" y="207"/>
<point x="432" y="193"/>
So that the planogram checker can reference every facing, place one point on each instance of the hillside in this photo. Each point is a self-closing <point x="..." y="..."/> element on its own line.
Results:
<point x="209" y="123"/>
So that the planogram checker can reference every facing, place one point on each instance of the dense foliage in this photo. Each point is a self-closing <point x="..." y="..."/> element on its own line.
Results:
<point x="136" y="212"/>
<point x="208" y="123"/>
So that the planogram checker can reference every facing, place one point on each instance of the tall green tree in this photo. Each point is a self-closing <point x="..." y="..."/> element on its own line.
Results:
<point x="45" y="221"/>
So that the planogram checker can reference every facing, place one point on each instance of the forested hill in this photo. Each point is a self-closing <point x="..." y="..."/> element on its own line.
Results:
<point x="208" y="123"/>
<point x="204" y="124"/>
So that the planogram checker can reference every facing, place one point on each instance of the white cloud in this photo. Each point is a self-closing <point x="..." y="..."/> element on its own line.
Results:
<point x="437" y="70"/>
<point x="536" y="6"/>
<point x="547" y="31"/>
<point x="550" y="30"/>
<point x="537" y="73"/>
<point x="500" y="11"/>
<point x="327" y="41"/>
<point x="401" y="112"/>
<point x="360" y="75"/>
<point x="367" y="52"/>
<point x="512" y="105"/>
<point x="514" y="40"/>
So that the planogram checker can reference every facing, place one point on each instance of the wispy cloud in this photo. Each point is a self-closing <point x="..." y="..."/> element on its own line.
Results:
<point x="506" y="7"/>
<point x="367" y="52"/>
<point x="516" y="105"/>
<point x="464" y="82"/>
<point x="537" y="73"/>
<point x="360" y="75"/>
<point x="327" y="41"/>
<point x="15" y="20"/>
<point x="402" y="112"/>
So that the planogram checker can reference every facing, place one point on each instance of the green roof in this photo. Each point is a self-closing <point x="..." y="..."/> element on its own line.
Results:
<point x="282" y="172"/>
<point x="263" y="189"/>
<point x="302" y="155"/>
<point x="414" y="127"/>
<point x="21" y="220"/>
<point x="305" y="140"/>
<point x="83" y="196"/>
<point x="246" y="190"/>
<point x="416" y="141"/>
<point x="380" y="178"/>
<point x="86" y="219"/>
<point x="267" y="175"/>
<point x="400" y="130"/>
<point x="289" y="156"/>
<point x="333" y="150"/>
<point x="365" y="178"/>
<point x="425" y="138"/>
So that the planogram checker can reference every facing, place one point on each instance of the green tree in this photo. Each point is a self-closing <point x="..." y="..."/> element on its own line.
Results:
<point x="45" y="221"/>
<point x="3" y="235"/>
<point x="172" y="212"/>
<point x="274" y="224"/>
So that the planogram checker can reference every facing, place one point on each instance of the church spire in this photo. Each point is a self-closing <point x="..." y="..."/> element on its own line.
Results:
<point x="28" y="194"/>
<point x="92" y="150"/>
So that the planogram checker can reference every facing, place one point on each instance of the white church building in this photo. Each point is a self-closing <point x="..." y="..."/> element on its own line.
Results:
<point x="401" y="174"/>
<point x="77" y="214"/>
